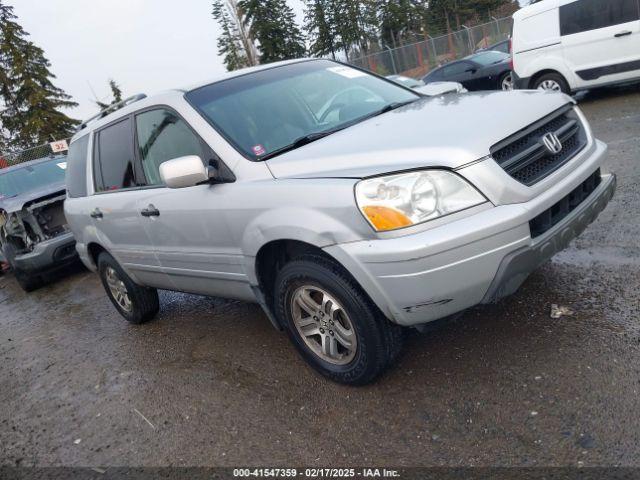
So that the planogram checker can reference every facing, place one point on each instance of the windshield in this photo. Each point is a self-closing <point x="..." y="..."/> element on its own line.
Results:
<point x="32" y="177"/>
<point x="267" y="111"/>
<point x="490" y="57"/>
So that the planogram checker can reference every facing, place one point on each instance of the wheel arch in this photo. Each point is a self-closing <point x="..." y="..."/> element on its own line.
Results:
<point x="94" y="249"/>
<point x="547" y="71"/>
<point x="271" y="257"/>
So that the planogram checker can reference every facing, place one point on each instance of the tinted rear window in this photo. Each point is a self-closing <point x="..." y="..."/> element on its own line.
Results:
<point x="586" y="15"/>
<point x="114" y="157"/>
<point x="77" y="168"/>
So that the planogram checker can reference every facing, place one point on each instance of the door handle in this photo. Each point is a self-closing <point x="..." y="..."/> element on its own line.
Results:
<point x="96" y="213"/>
<point x="150" y="211"/>
<point x="623" y="34"/>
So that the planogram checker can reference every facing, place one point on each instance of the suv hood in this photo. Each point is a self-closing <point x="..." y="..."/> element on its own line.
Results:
<point x="15" y="204"/>
<point x="448" y="131"/>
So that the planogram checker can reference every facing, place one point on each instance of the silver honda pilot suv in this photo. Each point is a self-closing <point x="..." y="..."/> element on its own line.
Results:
<point x="346" y="205"/>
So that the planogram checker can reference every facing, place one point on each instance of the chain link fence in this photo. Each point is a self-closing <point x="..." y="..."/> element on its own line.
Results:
<point x="53" y="149"/>
<point x="417" y="59"/>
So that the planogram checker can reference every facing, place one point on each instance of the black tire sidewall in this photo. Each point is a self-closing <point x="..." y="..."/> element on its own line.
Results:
<point x="144" y="301"/>
<point x="369" y="359"/>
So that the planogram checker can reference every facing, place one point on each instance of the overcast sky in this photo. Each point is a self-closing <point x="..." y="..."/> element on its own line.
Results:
<point x="145" y="45"/>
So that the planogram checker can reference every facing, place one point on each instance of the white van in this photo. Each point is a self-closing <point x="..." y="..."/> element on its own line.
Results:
<point x="571" y="45"/>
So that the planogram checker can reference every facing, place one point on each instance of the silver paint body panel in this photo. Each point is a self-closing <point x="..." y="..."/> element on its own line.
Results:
<point x="207" y="237"/>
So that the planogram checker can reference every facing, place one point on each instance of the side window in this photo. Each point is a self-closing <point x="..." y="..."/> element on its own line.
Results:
<point x="163" y="136"/>
<point x="76" y="176"/>
<point x="434" y="74"/>
<point x="586" y="15"/>
<point x="114" y="157"/>
<point x="456" y="69"/>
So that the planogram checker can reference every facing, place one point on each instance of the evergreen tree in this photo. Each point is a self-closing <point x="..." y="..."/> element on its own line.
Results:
<point x="31" y="103"/>
<point x="116" y="92"/>
<point x="445" y="15"/>
<point x="320" y="27"/>
<point x="235" y="44"/>
<point x="272" y="23"/>
<point x="355" y="23"/>
<point x="399" y="20"/>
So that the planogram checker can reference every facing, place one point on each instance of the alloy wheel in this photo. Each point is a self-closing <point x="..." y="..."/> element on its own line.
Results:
<point x="118" y="289"/>
<point x="507" y="83"/>
<point x="323" y="325"/>
<point x="550" y="85"/>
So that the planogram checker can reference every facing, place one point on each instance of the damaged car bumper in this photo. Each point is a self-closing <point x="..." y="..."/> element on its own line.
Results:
<point x="427" y="276"/>
<point x="48" y="254"/>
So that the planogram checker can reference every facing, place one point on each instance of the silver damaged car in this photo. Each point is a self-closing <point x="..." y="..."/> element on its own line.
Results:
<point x="347" y="206"/>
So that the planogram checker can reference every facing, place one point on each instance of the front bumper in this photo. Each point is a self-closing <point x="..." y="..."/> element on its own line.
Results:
<point x="420" y="278"/>
<point x="49" y="254"/>
<point x="518" y="265"/>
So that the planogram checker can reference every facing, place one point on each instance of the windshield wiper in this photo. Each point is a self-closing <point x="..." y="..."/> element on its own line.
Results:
<point x="300" y="142"/>
<point x="385" y="109"/>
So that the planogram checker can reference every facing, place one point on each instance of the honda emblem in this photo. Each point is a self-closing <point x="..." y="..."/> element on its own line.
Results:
<point x="552" y="143"/>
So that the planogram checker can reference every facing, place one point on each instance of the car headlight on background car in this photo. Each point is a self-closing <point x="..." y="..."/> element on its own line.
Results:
<point x="398" y="201"/>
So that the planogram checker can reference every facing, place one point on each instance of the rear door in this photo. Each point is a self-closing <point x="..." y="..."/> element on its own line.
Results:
<point x="601" y="40"/>
<point x="114" y="205"/>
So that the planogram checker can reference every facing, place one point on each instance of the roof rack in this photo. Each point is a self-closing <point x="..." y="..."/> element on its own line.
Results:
<point x="111" y="109"/>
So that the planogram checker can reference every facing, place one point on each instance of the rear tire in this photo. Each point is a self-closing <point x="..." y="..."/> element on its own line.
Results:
<point x="333" y="324"/>
<point x="552" y="81"/>
<point x="28" y="281"/>
<point x="135" y="303"/>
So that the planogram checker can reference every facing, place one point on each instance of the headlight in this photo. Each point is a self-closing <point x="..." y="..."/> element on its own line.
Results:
<point x="406" y="199"/>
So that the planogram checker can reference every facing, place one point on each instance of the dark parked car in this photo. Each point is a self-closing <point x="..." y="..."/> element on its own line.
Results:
<point x="482" y="71"/>
<point x="33" y="230"/>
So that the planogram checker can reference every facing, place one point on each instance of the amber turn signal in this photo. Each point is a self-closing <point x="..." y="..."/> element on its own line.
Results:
<point x="385" y="218"/>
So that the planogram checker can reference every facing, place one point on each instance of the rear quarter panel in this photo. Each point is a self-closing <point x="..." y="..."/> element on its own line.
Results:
<point x="536" y="40"/>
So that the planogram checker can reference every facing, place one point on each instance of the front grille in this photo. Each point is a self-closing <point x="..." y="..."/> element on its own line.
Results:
<point x="524" y="156"/>
<point x="551" y="217"/>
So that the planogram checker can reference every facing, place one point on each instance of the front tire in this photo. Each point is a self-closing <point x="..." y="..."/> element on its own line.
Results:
<point x="333" y="324"/>
<point x="135" y="303"/>
<point x="552" y="81"/>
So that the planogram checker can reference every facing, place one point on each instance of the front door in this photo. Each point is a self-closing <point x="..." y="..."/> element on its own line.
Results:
<point x="601" y="40"/>
<point x="188" y="226"/>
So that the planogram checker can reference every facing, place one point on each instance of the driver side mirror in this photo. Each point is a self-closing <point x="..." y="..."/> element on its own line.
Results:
<point x="185" y="172"/>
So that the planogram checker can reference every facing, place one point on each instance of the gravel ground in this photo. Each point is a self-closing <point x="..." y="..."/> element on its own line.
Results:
<point x="210" y="382"/>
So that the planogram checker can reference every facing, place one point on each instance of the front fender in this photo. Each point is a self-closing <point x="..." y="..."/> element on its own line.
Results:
<point x="302" y="224"/>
